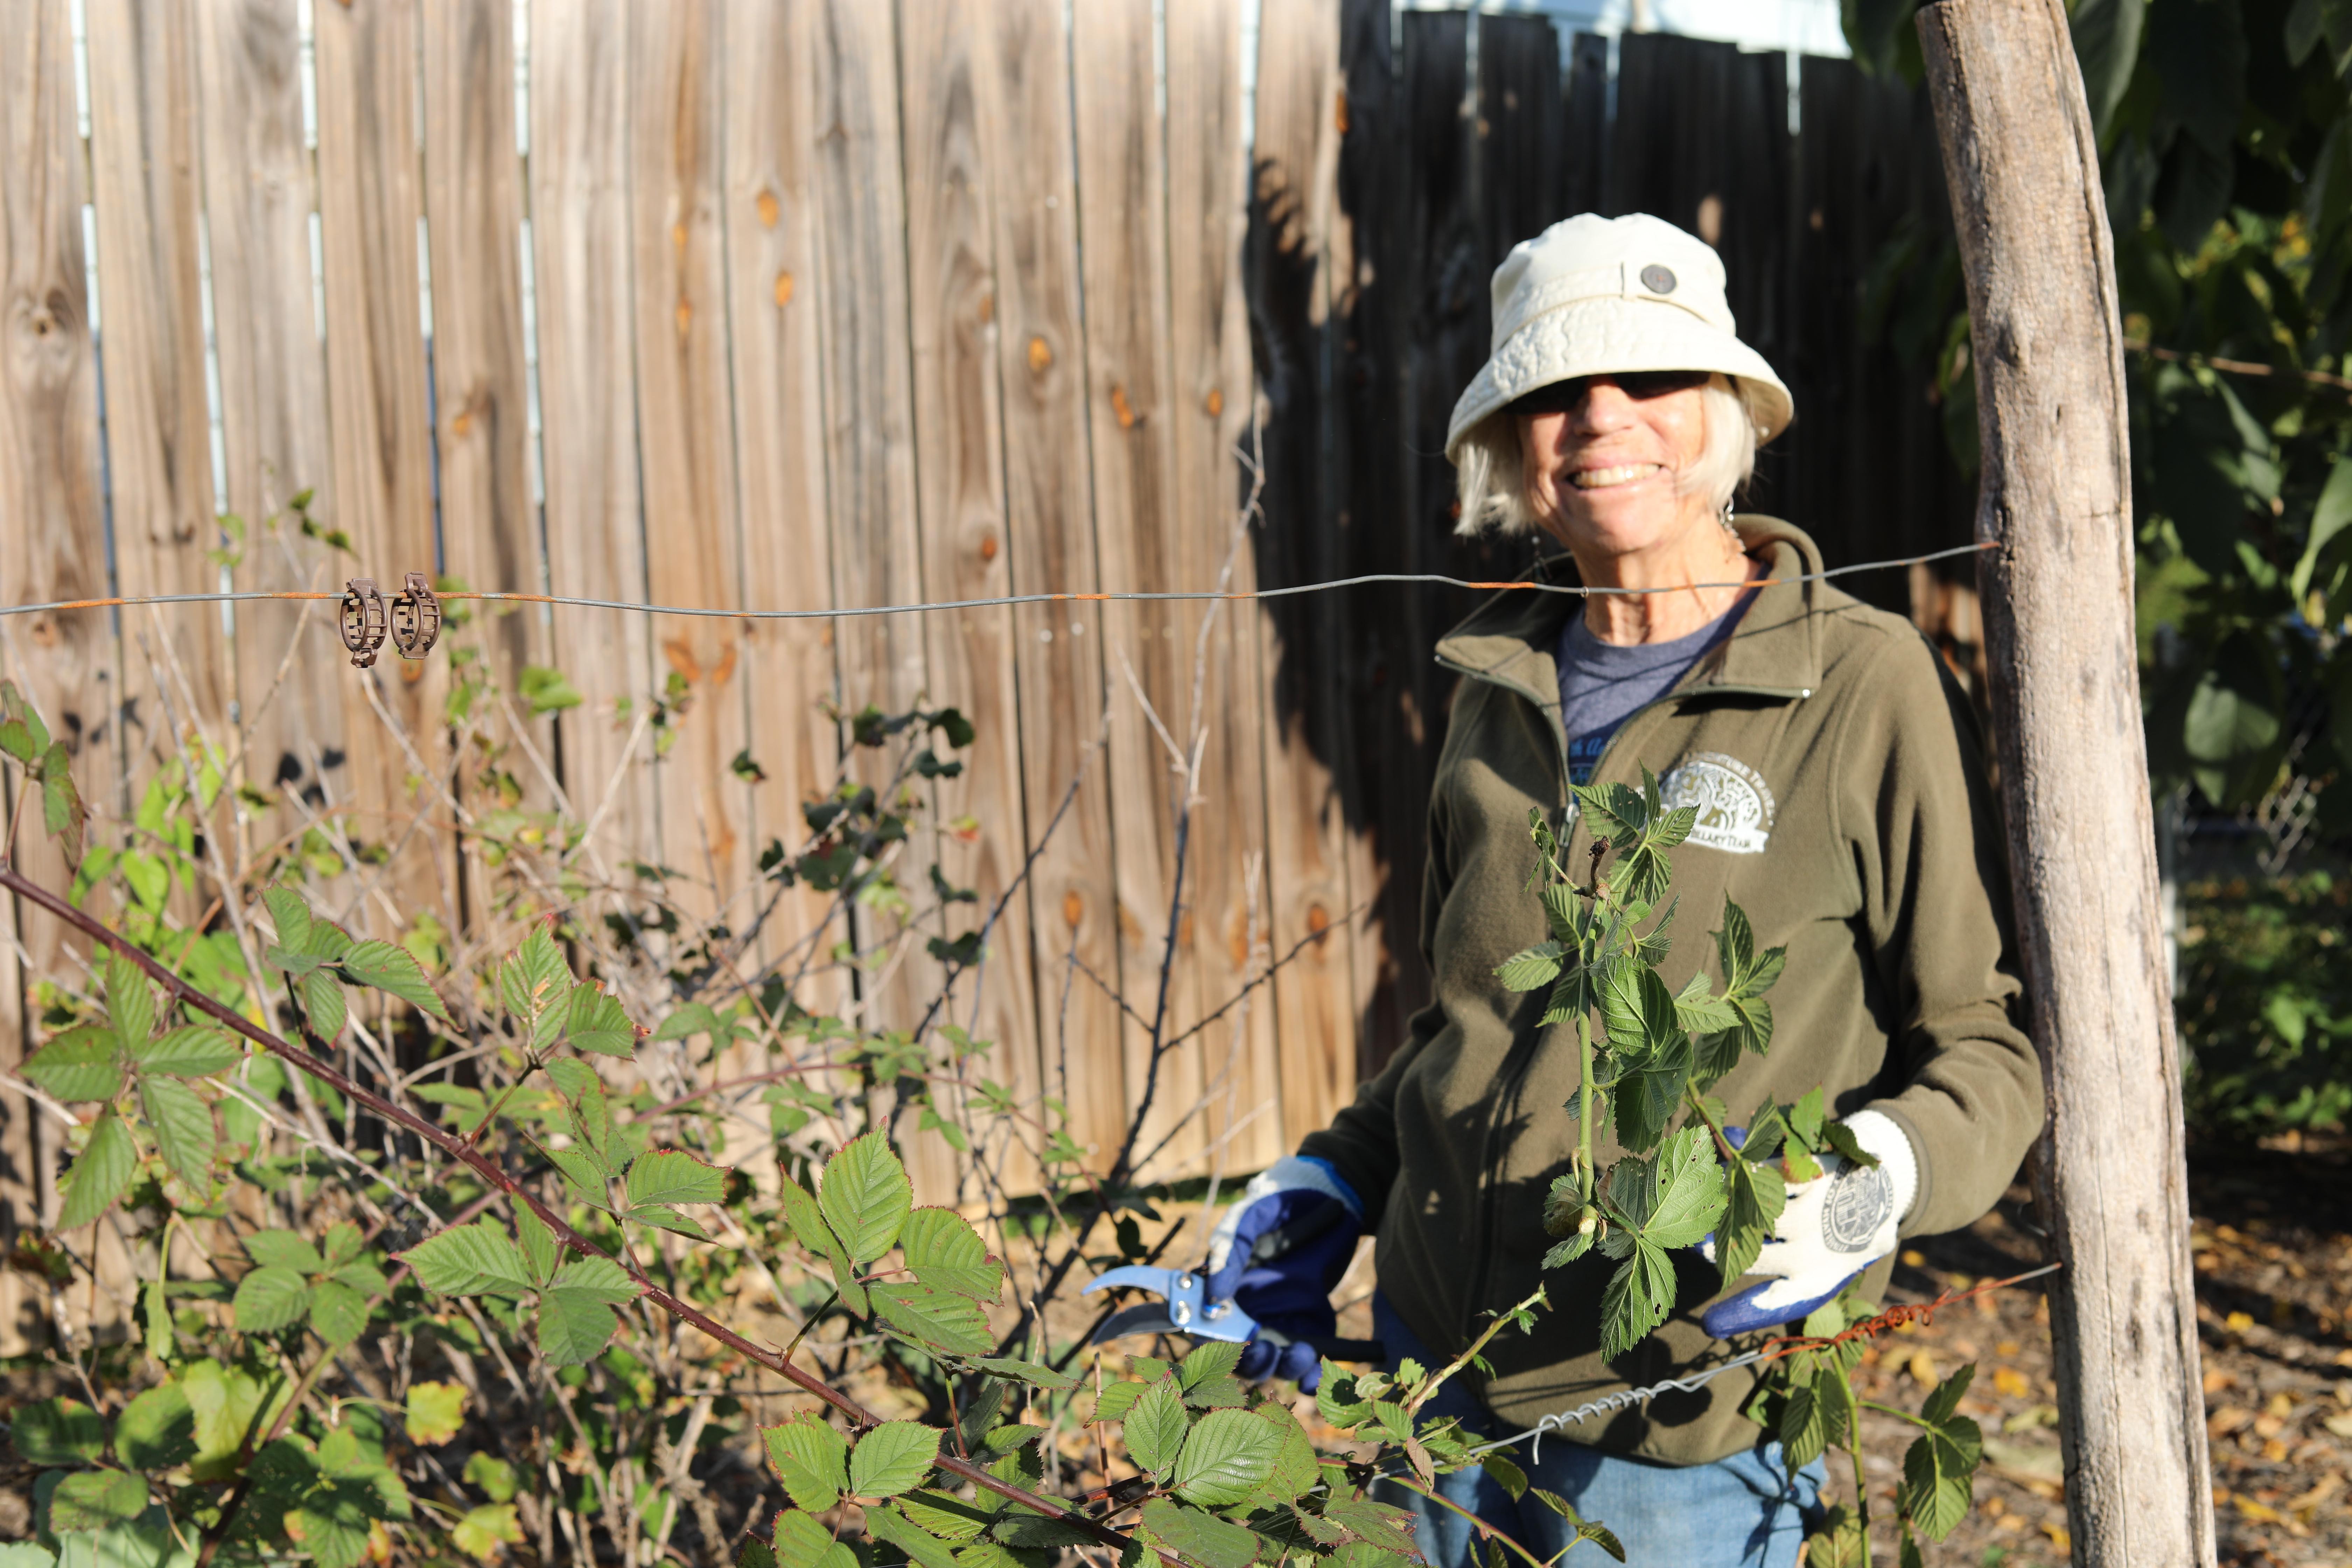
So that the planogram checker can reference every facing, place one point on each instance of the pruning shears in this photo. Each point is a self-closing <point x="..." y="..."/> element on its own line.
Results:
<point x="1184" y="1308"/>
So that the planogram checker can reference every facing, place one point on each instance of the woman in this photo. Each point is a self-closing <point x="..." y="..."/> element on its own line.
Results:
<point x="1842" y="804"/>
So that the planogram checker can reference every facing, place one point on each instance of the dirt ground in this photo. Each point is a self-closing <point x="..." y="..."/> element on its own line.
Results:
<point x="2273" y="1243"/>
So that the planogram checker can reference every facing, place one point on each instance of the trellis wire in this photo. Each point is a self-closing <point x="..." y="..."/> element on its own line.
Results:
<point x="1609" y="1404"/>
<point x="561" y="601"/>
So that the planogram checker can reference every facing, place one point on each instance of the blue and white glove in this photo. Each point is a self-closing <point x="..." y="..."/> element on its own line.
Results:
<point x="1277" y="1253"/>
<point x="1833" y="1228"/>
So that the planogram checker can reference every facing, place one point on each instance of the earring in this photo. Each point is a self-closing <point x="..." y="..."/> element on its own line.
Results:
<point x="363" y="620"/>
<point x="416" y="618"/>
<point x="1729" y="527"/>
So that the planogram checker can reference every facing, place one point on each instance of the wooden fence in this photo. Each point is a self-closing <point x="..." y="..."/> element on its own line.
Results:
<point x="836" y="303"/>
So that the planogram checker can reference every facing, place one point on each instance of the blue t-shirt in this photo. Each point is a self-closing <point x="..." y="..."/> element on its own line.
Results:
<point x="1602" y="684"/>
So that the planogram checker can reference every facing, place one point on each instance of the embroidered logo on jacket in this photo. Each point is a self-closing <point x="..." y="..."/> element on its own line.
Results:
<point x="1734" y="804"/>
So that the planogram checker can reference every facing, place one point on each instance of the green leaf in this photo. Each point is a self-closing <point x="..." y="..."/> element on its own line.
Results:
<point x="582" y="1169"/>
<point x="1637" y="1298"/>
<point x="866" y="1198"/>
<point x="157" y="1429"/>
<point x="540" y="1251"/>
<point x="1938" y="1482"/>
<point x="1114" y="1403"/>
<point x="338" y="1314"/>
<point x="674" y="1176"/>
<point x="323" y="1003"/>
<point x="484" y="1529"/>
<point x="58" y="1432"/>
<point x="892" y="1457"/>
<point x="945" y="1515"/>
<point x="185" y="1134"/>
<point x="1381" y="1526"/>
<point x="597" y="1023"/>
<point x="574" y="1326"/>
<point x="1037" y="1374"/>
<point x="197" y="1050"/>
<point x="1838" y="1136"/>
<point x="271" y="1299"/>
<point x="434" y="1413"/>
<point x="599" y="1280"/>
<point x="943" y="1319"/>
<point x="547" y="690"/>
<point x="694" y="1018"/>
<point x="103" y="1173"/>
<point x="130" y="999"/>
<point x="803" y="1542"/>
<point x="284" y="1250"/>
<point x="83" y="1063"/>
<point x="470" y="1260"/>
<point x="1754" y="1196"/>
<point x="945" y="1251"/>
<point x="1686" y="1196"/>
<point x="663" y="1217"/>
<point x="1700" y="1011"/>
<point x="1198" y="1537"/>
<point x="535" y="986"/>
<point x="1228" y="1455"/>
<point x="1802" y="1432"/>
<point x="1156" y="1426"/>
<point x="92" y="1500"/>
<point x="1205" y="1362"/>
<point x="889" y="1525"/>
<point x="1507" y="1475"/>
<point x="493" y="1475"/>
<point x="807" y="1221"/>
<point x="394" y="970"/>
<point x="1945" y="1402"/>
<point x="1534" y="966"/>
<point x="61" y="809"/>
<point x="812" y="1459"/>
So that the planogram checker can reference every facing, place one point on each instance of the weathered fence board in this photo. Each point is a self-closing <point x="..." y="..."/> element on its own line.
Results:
<point x="771" y="227"/>
<point x="1050" y="541"/>
<point x="259" y="197"/>
<point x="1301" y="639"/>
<point x="596" y="544"/>
<point x="847" y="304"/>
<point x="685" y="441"/>
<point x="473" y="207"/>
<point x="142" y="106"/>
<point x="1225" y="921"/>
<point x="945" y="84"/>
<point x="394" y="794"/>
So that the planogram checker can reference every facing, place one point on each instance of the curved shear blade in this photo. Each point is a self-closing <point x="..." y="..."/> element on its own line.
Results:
<point x="1147" y="1317"/>
<point x="1136" y="1276"/>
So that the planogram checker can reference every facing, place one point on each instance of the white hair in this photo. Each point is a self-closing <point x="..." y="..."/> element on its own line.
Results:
<point x="1490" y="477"/>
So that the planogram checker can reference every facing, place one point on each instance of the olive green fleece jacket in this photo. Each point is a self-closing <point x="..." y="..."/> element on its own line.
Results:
<point x="1842" y="802"/>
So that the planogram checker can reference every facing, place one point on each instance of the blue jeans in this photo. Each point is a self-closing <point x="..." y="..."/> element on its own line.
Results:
<point x="1745" y="1512"/>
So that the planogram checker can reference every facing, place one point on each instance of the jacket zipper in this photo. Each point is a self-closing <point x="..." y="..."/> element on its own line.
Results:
<point x="1514" y="1074"/>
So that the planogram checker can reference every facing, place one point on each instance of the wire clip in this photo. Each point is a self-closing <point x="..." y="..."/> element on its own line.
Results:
<point x="363" y="620"/>
<point x="415" y="617"/>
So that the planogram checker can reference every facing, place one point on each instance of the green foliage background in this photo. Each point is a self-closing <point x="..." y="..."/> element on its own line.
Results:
<point x="2227" y="159"/>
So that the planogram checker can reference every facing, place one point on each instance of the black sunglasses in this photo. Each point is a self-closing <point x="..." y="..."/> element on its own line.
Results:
<point x="1641" y="386"/>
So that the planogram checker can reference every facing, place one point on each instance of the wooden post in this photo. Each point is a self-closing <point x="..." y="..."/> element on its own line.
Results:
<point x="2109" y="1174"/>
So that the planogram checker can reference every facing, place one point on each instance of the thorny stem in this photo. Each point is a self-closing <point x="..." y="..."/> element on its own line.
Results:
<point x="860" y="1418"/>
<point x="1692" y="1098"/>
<point x="1471" y="1355"/>
<point x="1584" y="1093"/>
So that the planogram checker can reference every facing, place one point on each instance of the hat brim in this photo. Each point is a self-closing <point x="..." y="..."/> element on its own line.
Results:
<point x="1613" y="335"/>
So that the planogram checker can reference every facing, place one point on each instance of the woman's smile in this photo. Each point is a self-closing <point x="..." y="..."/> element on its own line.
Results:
<point x="1614" y="475"/>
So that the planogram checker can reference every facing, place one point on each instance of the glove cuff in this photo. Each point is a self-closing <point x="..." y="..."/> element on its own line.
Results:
<point x="1884" y="1137"/>
<point x="1320" y="1175"/>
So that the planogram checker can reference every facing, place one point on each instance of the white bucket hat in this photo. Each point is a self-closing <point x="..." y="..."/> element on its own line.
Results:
<point x="1592" y="295"/>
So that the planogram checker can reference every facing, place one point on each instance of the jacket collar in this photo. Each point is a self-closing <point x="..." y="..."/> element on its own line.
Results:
<point x="1775" y="651"/>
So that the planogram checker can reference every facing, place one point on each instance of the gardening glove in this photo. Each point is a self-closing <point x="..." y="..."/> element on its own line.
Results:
<point x="1833" y="1228"/>
<point x="1276" y="1254"/>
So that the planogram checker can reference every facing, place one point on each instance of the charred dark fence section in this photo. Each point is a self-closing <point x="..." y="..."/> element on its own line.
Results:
<point x="1457" y="136"/>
